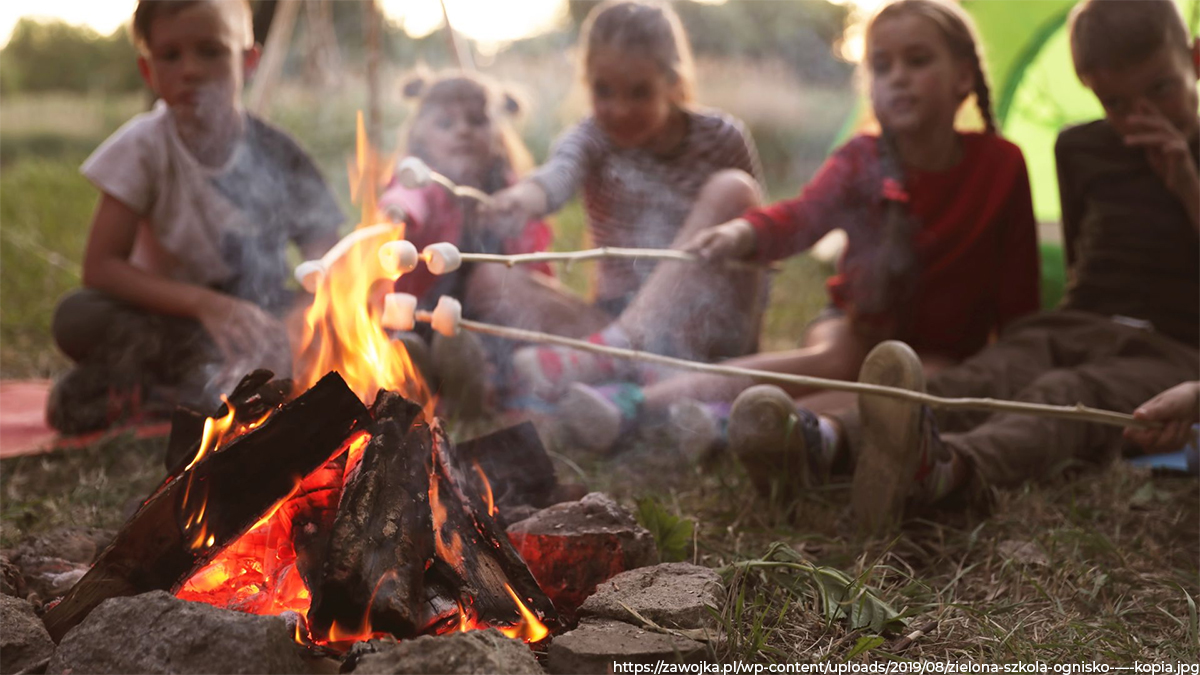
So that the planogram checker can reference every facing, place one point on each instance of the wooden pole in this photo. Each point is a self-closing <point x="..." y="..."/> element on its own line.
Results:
<point x="274" y="54"/>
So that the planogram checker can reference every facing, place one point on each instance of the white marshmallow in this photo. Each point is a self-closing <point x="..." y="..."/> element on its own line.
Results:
<point x="399" y="311"/>
<point x="398" y="257"/>
<point x="447" y="316"/>
<point x="442" y="257"/>
<point x="413" y="173"/>
<point x="310" y="273"/>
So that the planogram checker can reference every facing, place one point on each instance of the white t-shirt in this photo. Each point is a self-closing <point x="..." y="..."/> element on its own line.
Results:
<point x="225" y="227"/>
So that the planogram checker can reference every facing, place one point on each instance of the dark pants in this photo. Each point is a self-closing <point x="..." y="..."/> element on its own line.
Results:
<point x="130" y="347"/>
<point x="1059" y="358"/>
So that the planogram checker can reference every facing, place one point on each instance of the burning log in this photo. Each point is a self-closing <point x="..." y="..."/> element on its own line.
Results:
<point x="232" y="487"/>
<point x="381" y="539"/>
<point x="516" y="469"/>
<point x="470" y="541"/>
<point x="253" y="397"/>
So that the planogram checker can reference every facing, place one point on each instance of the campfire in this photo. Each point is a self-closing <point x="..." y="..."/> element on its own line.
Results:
<point x="336" y="498"/>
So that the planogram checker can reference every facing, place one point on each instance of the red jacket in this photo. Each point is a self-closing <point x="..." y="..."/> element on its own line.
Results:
<point x="976" y="242"/>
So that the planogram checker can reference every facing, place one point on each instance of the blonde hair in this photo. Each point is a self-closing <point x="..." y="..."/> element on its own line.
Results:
<point x="510" y="159"/>
<point x="644" y="27"/>
<point x="1119" y="33"/>
<point x="959" y="32"/>
<point x="149" y="10"/>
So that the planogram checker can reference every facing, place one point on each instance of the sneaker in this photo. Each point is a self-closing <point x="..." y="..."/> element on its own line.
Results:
<point x="896" y="435"/>
<point x="595" y="417"/>
<point x="549" y="371"/>
<point x="462" y="367"/>
<point x="697" y="428"/>
<point x="93" y="397"/>
<point x="773" y="439"/>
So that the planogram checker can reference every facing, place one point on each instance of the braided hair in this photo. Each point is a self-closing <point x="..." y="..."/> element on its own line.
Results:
<point x="888" y="280"/>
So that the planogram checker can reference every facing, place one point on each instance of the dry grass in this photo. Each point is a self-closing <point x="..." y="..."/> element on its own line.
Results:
<point x="1102" y="566"/>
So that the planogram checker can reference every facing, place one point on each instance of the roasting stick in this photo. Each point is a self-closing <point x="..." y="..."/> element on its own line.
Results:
<point x="443" y="257"/>
<point x="412" y="173"/>
<point x="400" y="313"/>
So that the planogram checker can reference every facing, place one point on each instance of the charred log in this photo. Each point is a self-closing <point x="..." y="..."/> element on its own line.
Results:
<point x="158" y="550"/>
<point x="518" y="470"/>
<point x="381" y="540"/>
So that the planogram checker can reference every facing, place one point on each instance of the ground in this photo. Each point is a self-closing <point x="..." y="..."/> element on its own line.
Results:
<point x="1101" y="565"/>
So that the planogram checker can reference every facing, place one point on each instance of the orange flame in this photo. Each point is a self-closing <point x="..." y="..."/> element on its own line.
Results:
<point x="487" y="487"/>
<point x="342" y="329"/>
<point x="530" y="629"/>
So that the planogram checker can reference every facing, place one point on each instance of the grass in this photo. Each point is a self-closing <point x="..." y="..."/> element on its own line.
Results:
<point x="1101" y="567"/>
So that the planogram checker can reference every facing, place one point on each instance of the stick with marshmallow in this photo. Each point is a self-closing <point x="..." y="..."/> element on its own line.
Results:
<point x="412" y="173"/>
<point x="443" y="257"/>
<point x="401" y="313"/>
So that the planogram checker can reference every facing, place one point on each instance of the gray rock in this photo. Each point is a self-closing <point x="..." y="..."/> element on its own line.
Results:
<point x="472" y="653"/>
<point x="23" y="639"/>
<point x="73" y="544"/>
<point x="159" y="633"/>
<point x="11" y="581"/>
<point x="597" y="643"/>
<point x="672" y="595"/>
<point x="574" y="546"/>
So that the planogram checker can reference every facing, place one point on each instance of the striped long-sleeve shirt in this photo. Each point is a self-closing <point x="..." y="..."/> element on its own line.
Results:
<point x="635" y="198"/>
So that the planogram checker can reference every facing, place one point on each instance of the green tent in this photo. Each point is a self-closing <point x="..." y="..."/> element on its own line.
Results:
<point x="1035" y="89"/>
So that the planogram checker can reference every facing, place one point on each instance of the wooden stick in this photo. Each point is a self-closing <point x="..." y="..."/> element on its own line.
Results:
<point x="598" y="253"/>
<point x="1077" y="412"/>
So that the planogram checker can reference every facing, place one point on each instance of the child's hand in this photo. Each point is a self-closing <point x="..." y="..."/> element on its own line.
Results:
<point x="239" y="328"/>
<point x="734" y="239"/>
<point x="509" y="209"/>
<point x="1178" y="408"/>
<point x="1167" y="150"/>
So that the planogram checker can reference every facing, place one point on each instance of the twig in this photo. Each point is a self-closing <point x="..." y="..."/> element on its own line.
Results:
<point x="1077" y="412"/>
<point x="907" y="641"/>
<point x="35" y="668"/>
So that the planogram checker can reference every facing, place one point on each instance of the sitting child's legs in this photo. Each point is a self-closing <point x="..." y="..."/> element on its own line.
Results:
<point x="510" y="296"/>
<point x="693" y="311"/>
<point x="127" y="362"/>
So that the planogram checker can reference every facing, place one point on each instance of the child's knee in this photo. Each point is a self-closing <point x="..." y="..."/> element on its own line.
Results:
<point x="733" y="190"/>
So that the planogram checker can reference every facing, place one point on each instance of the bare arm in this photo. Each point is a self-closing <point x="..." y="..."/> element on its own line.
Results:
<point x="234" y="324"/>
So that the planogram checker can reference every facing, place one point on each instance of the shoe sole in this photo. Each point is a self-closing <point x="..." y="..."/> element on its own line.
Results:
<point x="760" y="437"/>
<point x="592" y="422"/>
<point x="695" y="432"/>
<point x="885" y="470"/>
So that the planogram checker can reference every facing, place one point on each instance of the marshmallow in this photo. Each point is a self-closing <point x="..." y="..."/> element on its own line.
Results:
<point x="447" y="316"/>
<point x="310" y="273"/>
<point x="442" y="257"/>
<point x="413" y="173"/>
<point x="398" y="257"/>
<point x="399" y="311"/>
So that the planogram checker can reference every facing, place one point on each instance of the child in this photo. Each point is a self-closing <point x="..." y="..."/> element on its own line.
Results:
<point x="941" y="234"/>
<point x="184" y="273"/>
<point x="1178" y="410"/>
<point x="1128" y="328"/>
<point x="654" y="171"/>
<point x="459" y="130"/>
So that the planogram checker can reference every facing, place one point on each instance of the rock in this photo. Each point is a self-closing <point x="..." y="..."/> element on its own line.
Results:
<point x="572" y="547"/>
<point x="11" y="581"/>
<point x="672" y="595"/>
<point x="73" y="544"/>
<point x="24" y="641"/>
<point x="597" y="643"/>
<point x="159" y="633"/>
<point x="471" y="653"/>
<point x="49" y="578"/>
<point x="52" y="562"/>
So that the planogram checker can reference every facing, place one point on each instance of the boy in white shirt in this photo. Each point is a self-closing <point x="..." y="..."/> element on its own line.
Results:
<point x="185" y="271"/>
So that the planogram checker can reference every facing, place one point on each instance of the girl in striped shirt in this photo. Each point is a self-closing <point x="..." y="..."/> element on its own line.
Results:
<point x="654" y="170"/>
